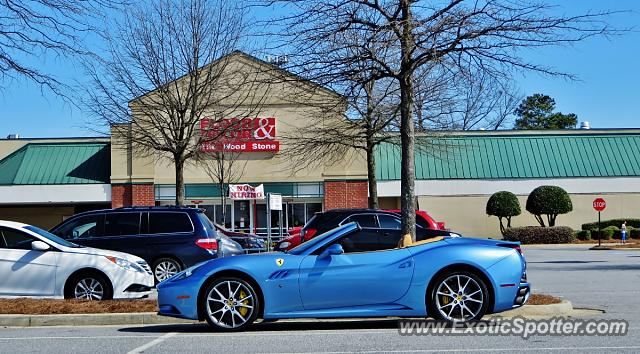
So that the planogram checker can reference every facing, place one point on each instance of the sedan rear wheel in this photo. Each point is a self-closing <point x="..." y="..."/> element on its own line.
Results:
<point x="230" y="304"/>
<point x="459" y="297"/>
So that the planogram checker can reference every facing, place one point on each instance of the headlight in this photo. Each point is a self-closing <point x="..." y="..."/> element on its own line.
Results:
<point x="284" y="245"/>
<point x="186" y="273"/>
<point x="125" y="264"/>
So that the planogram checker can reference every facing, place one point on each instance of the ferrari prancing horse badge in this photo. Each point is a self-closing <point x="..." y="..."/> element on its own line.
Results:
<point x="279" y="262"/>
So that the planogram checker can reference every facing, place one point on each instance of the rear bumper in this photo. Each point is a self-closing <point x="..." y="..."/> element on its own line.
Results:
<point x="522" y="295"/>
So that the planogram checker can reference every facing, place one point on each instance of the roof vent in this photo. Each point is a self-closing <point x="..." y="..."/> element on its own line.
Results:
<point x="278" y="60"/>
<point x="585" y="125"/>
<point x="13" y="136"/>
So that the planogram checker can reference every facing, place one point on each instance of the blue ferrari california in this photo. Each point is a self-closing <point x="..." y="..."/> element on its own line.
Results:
<point x="352" y="272"/>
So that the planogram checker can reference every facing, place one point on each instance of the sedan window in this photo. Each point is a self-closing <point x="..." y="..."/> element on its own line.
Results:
<point x="14" y="239"/>
<point x="389" y="222"/>
<point x="364" y="220"/>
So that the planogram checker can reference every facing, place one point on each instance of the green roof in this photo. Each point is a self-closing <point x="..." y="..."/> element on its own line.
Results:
<point x="57" y="163"/>
<point x="479" y="156"/>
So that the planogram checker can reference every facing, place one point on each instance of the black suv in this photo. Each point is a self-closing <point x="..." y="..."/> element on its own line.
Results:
<point x="380" y="229"/>
<point x="168" y="238"/>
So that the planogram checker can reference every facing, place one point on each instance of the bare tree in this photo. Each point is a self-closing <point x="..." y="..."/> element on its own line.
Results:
<point x="34" y="28"/>
<point x="358" y="128"/>
<point x="464" y="102"/>
<point x="485" y="36"/>
<point x="169" y="65"/>
<point x="223" y="168"/>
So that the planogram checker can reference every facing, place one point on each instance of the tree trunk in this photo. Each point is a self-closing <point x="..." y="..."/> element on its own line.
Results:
<point x="501" y="225"/>
<point x="223" y="203"/>
<point x="371" y="177"/>
<point x="179" y="163"/>
<point x="407" y="175"/>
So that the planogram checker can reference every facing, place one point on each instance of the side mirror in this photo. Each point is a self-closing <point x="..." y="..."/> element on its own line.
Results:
<point x="331" y="250"/>
<point x="40" y="246"/>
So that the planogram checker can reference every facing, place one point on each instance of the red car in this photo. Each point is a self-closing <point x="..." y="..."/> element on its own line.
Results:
<point x="322" y="222"/>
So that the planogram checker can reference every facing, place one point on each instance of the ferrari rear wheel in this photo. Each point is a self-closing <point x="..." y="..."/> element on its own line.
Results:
<point x="230" y="304"/>
<point x="459" y="296"/>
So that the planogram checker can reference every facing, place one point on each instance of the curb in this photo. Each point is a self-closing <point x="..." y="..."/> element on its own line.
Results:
<point x="98" y="319"/>
<point x="562" y="309"/>
<point x="148" y="318"/>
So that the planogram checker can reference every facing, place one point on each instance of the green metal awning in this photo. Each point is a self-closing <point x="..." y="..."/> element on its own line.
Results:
<point x="57" y="163"/>
<point x="480" y="156"/>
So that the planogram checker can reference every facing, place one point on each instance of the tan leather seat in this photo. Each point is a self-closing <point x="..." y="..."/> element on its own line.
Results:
<point x="407" y="241"/>
<point x="429" y="240"/>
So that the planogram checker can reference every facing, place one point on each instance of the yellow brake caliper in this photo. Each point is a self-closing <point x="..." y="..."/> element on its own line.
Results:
<point x="445" y="299"/>
<point x="243" y="310"/>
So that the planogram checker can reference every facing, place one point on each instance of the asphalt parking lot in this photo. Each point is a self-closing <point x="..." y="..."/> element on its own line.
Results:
<point x="608" y="280"/>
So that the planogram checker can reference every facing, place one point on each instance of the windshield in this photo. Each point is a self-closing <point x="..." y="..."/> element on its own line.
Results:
<point x="319" y="239"/>
<point x="51" y="237"/>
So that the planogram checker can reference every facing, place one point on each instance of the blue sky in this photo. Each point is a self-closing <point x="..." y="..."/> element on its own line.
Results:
<point x="606" y="95"/>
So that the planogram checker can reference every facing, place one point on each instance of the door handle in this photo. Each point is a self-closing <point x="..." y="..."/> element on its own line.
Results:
<point x="405" y="264"/>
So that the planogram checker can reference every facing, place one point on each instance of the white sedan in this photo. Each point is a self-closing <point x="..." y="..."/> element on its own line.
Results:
<point x="36" y="263"/>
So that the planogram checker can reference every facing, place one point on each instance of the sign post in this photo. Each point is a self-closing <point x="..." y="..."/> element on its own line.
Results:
<point x="274" y="202"/>
<point x="599" y="205"/>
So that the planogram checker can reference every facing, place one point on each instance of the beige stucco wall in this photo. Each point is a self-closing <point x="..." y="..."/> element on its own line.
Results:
<point x="294" y="104"/>
<point x="466" y="214"/>
<point x="44" y="217"/>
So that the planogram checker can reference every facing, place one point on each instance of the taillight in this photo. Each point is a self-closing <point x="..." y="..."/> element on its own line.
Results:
<point x="207" y="243"/>
<point x="308" y="234"/>
<point x="509" y="245"/>
<point x="441" y="225"/>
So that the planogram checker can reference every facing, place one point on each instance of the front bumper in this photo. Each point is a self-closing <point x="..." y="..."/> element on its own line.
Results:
<point x="178" y="298"/>
<point x="132" y="285"/>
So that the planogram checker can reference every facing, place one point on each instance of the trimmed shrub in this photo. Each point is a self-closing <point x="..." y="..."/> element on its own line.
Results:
<point x="634" y="233"/>
<point x="583" y="235"/>
<point x="635" y="223"/>
<point x="549" y="201"/>
<point x="607" y="232"/>
<point x="617" y="233"/>
<point x="503" y="205"/>
<point x="538" y="234"/>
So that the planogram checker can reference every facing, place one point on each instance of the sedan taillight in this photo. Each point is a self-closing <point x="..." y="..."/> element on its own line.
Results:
<point x="207" y="243"/>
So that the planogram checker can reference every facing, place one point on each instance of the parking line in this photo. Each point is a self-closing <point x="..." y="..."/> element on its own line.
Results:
<point x="156" y="341"/>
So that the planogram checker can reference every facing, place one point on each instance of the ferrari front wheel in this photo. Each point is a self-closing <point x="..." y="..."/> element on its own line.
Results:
<point x="459" y="296"/>
<point x="230" y="304"/>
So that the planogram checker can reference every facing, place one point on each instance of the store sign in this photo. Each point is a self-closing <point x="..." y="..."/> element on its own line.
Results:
<point x="275" y="201"/>
<point x="246" y="191"/>
<point x="239" y="135"/>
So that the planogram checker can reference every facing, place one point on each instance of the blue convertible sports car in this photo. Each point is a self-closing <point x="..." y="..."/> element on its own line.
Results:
<point x="343" y="274"/>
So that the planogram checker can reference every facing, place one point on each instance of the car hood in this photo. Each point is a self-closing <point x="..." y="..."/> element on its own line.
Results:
<point x="101" y="252"/>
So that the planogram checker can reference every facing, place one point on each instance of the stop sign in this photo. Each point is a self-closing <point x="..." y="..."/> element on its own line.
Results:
<point x="599" y="204"/>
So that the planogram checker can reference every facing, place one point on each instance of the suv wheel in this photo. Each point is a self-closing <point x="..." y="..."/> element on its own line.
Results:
<point x="165" y="268"/>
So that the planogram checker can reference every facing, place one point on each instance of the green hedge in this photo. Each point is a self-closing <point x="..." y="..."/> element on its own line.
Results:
<point x="583" y="235"/>
<point x="634" y="233"/>
<point x="612" y="222"/>
<point x="539" y="234"/>
<point x="607" y="232"/>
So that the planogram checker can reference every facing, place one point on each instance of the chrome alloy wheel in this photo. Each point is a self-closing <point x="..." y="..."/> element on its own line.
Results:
<point x="459" y="298"/>
<point x="88" y="289"/>
<point x="230" y="304"/>
<point x="165" y="270"/>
